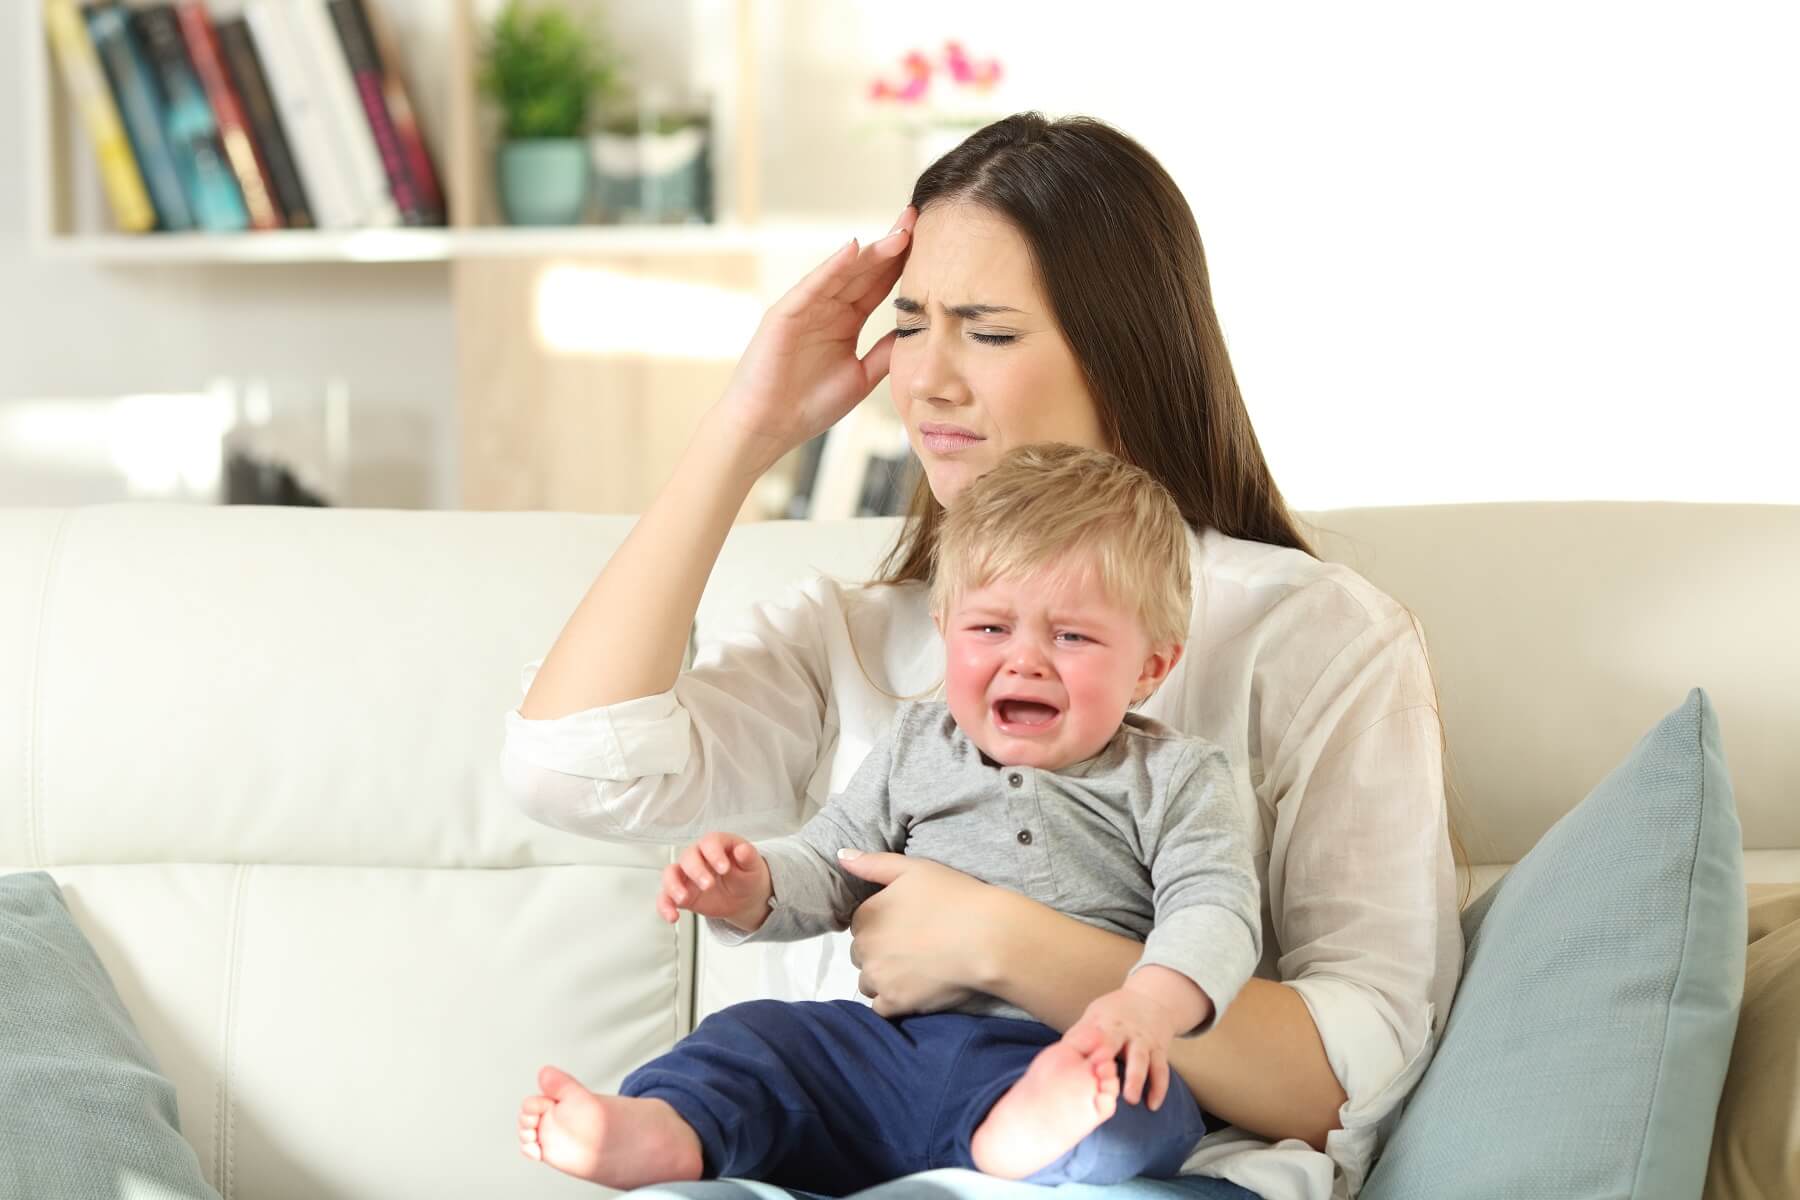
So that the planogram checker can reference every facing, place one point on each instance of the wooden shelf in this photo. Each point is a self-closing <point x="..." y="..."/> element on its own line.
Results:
<point x="69" y="220"/>
<point x="443" y="245"/>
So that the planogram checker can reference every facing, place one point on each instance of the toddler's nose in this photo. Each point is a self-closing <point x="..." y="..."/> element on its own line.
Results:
<point x="1029" y="660"/>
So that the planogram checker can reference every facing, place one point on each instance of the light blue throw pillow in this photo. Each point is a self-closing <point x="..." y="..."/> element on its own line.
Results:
<point x="84" y="1112"/>
<point x="1587" y="1046"/>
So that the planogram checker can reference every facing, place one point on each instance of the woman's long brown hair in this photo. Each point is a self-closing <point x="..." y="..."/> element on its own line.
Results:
<point x="1118" y="256"/>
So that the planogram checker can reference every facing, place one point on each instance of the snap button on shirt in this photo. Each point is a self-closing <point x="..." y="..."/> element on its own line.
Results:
<point x="1024" y="837"/>
<point x="1015" y="779"/>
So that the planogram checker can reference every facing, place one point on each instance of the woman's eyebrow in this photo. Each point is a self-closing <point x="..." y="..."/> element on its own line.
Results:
<point x="907" y="304"/>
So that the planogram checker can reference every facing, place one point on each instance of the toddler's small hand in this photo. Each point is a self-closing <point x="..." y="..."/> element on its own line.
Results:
<point x="721" y="875"/>
<point x="1125" y="1022"/>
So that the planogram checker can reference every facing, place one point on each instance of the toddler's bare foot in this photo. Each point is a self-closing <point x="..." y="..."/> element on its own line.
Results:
<point x="617" y="1141"/>
<point x="1062" y="1097"/>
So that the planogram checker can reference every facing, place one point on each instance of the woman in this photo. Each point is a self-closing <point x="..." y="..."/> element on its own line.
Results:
<point x="1052" y="287"/>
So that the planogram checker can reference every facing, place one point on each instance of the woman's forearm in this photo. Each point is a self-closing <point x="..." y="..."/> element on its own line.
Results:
<point x="1262" y="1067"/>
<point x="628" y="636"/>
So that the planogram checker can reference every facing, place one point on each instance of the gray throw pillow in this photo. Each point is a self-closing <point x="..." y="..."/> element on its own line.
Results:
<point x="84" y="1111"/>
<point x="1587" y="1046"/>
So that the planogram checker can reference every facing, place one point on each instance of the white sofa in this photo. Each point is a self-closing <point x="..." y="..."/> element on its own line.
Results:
<point x="258" y="748"/>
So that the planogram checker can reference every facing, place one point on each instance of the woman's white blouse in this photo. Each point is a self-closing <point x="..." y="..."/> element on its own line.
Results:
<point x="1315" y="683"/>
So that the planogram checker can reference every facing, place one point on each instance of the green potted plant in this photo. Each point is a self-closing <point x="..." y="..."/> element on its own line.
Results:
<point x="544" y="71"/>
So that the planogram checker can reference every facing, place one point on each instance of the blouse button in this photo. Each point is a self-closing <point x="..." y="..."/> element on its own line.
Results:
<point x="1024" y="837"/>
<point x="1015" y="779"/>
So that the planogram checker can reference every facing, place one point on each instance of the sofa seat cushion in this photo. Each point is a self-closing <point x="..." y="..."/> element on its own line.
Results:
<point x="1588" y="1042"/>
<point x="291" y="1006"/>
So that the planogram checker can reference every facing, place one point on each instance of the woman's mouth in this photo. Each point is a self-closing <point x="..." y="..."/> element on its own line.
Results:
<point x="1025" y="718"/>
<point x="943" y="439"/>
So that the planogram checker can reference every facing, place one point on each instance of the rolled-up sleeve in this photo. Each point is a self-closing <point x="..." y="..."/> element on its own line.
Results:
<point x="731" y="746"/>
<point x="1362" y="885"/>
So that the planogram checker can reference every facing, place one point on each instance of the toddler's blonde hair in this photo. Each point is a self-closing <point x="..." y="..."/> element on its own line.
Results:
<point x="1057" y="508"/>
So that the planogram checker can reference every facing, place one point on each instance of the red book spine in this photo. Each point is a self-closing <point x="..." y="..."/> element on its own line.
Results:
<point x="234" y="131"/>
<point x="365" y="68"/>
<point x="406" y="124"/>
<point x="418" y="158"/>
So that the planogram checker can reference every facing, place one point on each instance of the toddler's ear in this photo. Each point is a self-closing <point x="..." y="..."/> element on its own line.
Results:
<point x="1162" y="660"/>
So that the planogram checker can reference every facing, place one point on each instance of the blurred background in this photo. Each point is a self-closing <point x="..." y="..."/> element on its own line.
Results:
<point x="464" y="254"/>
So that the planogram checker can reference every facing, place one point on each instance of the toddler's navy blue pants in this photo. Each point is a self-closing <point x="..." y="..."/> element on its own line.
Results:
<point x="831" y="1098"/>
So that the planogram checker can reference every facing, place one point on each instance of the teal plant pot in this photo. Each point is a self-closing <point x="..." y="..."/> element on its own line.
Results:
<point x="544" y="181"/>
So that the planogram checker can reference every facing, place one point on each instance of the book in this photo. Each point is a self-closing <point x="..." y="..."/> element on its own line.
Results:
<point x="93" y="97"/>
<point x="328" y="72"/>
<point x="238" y="50"/>
<point x="406" y="123"/>
<point x="234" y="131"/>
<point x="134" y="91"/>
<point x="374" y="84"/>
<point x="188" y="123"/>
<point x="321" y="159"/>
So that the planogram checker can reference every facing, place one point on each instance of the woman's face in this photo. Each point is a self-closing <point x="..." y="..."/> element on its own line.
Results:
<point x="980" y="365"/>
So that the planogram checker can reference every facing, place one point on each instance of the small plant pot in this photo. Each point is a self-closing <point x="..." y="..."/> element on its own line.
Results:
<point x="544" y="181"/>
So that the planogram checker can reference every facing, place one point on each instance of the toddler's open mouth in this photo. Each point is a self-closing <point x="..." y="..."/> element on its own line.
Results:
<point x="1025" y="717"/>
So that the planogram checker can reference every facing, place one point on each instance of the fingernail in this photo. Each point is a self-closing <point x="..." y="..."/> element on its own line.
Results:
<point x="848" y="853"/>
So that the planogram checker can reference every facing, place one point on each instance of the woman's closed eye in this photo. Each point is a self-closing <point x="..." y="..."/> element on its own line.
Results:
<point x="986" y="339"/>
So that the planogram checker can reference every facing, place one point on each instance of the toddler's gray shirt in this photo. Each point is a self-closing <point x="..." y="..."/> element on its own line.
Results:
<point x="1144" y="839"/>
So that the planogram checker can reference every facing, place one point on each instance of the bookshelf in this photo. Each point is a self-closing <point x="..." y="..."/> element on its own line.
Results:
<point x="545" y="419"/>
<point x="440" y="245"/>
<point x="70" y="220"/>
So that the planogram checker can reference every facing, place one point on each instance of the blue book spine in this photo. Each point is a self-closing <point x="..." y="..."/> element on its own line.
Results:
<point x="129" y="76"/>
<point x="188" y="124"/>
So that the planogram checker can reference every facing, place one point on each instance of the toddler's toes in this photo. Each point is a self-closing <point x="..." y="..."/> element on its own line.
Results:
<point x="555" y="1082"/>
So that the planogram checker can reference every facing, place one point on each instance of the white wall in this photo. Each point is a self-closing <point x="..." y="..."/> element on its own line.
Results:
<point x="1460" y="251"/>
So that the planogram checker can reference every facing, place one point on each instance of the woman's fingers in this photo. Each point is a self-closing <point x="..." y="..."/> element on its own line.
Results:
<point x="877" y="267"/>
<point x="820" y="282"/>
<point x="875" y="363"/>
<point x="851" y="272"/>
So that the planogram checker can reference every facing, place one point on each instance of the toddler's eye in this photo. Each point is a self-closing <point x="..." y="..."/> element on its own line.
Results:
<point x="904" y="333"/>
<point x="994" y="339"/>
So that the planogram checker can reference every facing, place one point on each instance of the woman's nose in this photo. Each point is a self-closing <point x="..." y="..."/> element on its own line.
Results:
<point x="934" y="375"/>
